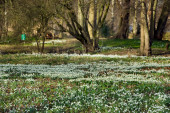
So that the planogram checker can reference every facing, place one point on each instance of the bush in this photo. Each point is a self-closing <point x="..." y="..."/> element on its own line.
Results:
<point x="105" y="30"/>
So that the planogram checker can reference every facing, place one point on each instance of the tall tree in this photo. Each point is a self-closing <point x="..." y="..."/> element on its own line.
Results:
<point x="73" y="25"/>
<point x="34" y="14"/>
<point x="152" y="17"/>
<point x="93" y="21"/>
<point x="80" y="13"/>
<point x="4" y="17"/>
<point x="122" y="32"/>
<point x="145" y="45"/>
<point x="135" y="23"/>
<point x="43" y="14"/>
<point x="112" y="16"/>
<point x="1" y="19"/>
<point x="162" y="20"/>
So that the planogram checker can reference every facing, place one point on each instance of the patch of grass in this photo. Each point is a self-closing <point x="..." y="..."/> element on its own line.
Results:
<point x="159" y="44"/>
<point x="108" y="46"/>
<point x="53" y="60"/>
<point x="130" y="43"/>
<point x="134" y="43"/>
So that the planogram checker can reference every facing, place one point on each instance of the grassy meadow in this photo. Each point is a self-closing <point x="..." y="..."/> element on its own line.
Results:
<point x="113" y="80"/>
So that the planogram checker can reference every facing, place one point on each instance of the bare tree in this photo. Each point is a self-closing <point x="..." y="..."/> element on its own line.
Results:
<point x="44" y="13"/>
<point x="34" y="13"/>
<point x="93" y="12"/>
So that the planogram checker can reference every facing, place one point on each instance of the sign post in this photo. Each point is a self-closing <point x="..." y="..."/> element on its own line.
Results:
<point x="23" y="37"/>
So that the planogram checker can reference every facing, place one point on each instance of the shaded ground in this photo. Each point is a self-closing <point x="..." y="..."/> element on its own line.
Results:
<point x="72" y="46"/>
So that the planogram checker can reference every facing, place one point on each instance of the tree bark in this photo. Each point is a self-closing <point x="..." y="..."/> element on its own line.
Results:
<point x="162" y="20"/>
<point x="5" y="26"/>
<point x="80" y="14"/>
<point x="145" y="39"/>
<point x="91" y="18"/>
<point x="112" y="17"/>
<point x="61" y="33"/>
<point x="135" y="24"/>
<point x="142" y="38"/>
<point x="153" y="18"/>
<point x="122" y="32"/>
<point x="94" y="14"/>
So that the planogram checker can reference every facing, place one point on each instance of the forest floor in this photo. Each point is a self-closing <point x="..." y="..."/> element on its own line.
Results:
<point x="114" y="79"/>
<point x="72" y="46"/>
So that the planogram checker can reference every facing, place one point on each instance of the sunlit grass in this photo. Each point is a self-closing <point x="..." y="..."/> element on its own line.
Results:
<point x="130" y="43"/>
<point x="53" y="59"/>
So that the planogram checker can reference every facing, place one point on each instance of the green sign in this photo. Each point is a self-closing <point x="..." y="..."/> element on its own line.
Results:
<point x="23" y="37"/>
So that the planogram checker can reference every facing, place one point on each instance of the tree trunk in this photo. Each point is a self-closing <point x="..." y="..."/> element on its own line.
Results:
<point x="135" y="24"/>
<point x="80" y="15"/>
<point x="43" y="43"/>
<point x="112" y="18"/>
<point x="41" y="35"/>
<point x="162" y="20"/>
<point x="93" y="17"/>
<point x="89" y="48"/>
<point x="38" y="44"/>
<point x="145" y="39"/>
<point x="122" y="32"/>
<point x="5" y="20"/>
<point x="61" y="33"/>
<point x="142" y="38"/>
<point x="153" y="18"/>
<point x="95" y="29"/>
<point x="88" y="45"/>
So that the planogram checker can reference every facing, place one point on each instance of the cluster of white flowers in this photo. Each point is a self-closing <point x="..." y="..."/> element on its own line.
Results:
<point x="50" y="42"/>
<point x="109" y="48"/>
<point x="117" y="71"/>
<point x="91" y="96"/>
<point x="97" y="55"/>
<point x="86" y="95"/>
